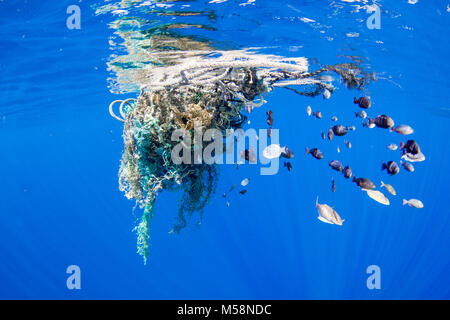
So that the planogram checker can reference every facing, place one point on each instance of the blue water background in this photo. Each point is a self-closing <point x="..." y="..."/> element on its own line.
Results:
<point x="60" y="152"/>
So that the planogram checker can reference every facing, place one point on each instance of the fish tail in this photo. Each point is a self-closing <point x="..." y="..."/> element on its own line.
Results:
<point x="383" y="166"/>
<point x="306" y="151"/>
<point x="405" y="201"/>
<point x="354" y="179"/>
<point x="382" y="184"/>
<point x="285" y="164"/>
<point x="364" y="124"/>
<point x="355" y="101"/>
<point x="402" y="145"/>
<point x="356" y="114"/>
<point x="317" y="200"/>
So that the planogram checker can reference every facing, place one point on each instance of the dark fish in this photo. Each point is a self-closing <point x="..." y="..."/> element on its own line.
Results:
<point x="323" y="135"/>
<point x="336" y="165"/>
<point x="384" y="121"/>
<point x="316" y="153"/>
<point x="363" y="102"/>
<point x="330" y="134"/>
<point x="248" y="155"/>
<point x="333" y="185"/>
<point x="408" y="166"/>
<point x="339" y="130"/>
<point x="269" y="132"/>
<point x="347" y="172"/>
<point x="269" y="117"/>
<point x="317" y="114"/>
<point x="348" y="144"/>
<point x="287" y="153"/>
<point x="243" y="191"/>
<point x="411" y="146"/>
<point x="392" y="167"/>
<point x="364" y="183"/>
<point x="288" y="165"/>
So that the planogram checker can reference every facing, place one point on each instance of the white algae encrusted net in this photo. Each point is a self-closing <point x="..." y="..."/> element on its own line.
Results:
<point x="181" y="88"/>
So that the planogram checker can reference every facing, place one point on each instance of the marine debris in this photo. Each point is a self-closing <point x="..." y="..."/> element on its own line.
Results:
<point x="195" y="91"/>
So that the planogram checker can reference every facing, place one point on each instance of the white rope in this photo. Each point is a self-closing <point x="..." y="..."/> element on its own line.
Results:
<point x="111" y="111"/>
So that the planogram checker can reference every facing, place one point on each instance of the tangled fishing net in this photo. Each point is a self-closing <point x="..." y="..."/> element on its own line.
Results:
<point x="180" y="89"/>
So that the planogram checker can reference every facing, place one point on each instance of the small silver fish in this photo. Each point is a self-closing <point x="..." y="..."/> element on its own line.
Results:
<point x="308" y="111"/>
<point x="413" y="203"/>
<point x="392" y="147"/>
<point x="408" y="166"/>
<point x="338" y="150"/>
<point x="403" y="129"/>
<point x="245" y="182"/>
<point x="362" y="114"/>
<point x="334" y="118"/>
<point x="351" y="128"/>
<point x="348" y="144"/>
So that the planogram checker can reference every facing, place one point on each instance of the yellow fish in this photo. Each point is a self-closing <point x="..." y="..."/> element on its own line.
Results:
<point x="389" y="188"/>
<point x="377" y="196"/>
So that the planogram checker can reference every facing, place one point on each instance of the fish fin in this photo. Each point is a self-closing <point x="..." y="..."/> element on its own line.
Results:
<point x="405" y="201"/>
<point x="324" y="220"/>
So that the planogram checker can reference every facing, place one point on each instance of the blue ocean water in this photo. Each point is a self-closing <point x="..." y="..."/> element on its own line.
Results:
<point x="60" y="204"/>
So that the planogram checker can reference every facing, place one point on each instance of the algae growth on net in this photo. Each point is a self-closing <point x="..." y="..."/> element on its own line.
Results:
<point x="183" y="83"/>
